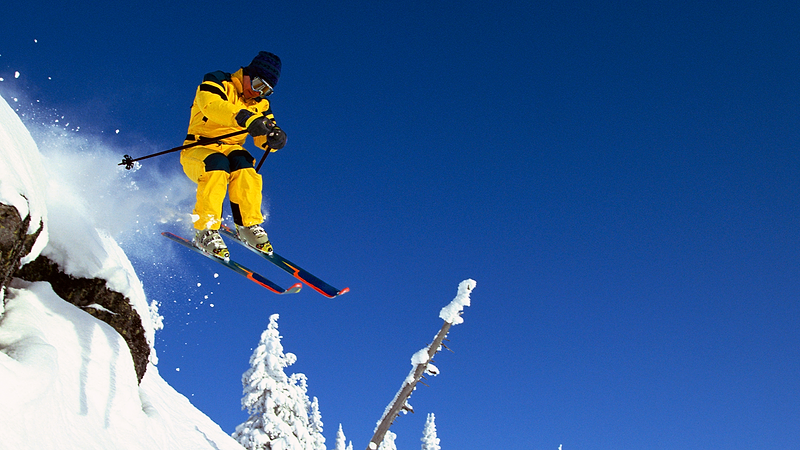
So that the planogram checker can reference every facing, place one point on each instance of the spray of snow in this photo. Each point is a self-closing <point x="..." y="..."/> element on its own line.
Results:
<point x="132" y="206"/>
<point x="87" y="189"/>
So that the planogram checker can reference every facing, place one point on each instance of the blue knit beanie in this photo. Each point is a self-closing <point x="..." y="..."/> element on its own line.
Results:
<point x="266" y="66"/>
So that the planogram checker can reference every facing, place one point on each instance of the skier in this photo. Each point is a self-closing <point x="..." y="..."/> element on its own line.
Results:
<point x="225" y="103"/>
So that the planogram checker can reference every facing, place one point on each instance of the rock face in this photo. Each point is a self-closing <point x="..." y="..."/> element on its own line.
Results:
<point x="90" y="294"/>
<point x="14" y="241"/>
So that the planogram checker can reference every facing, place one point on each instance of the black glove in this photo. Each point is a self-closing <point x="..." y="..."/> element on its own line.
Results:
<point x="256" y="125"/>
<point x="276" y="138"/>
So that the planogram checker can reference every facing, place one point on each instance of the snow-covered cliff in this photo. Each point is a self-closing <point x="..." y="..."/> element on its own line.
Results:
<point x="69" y="380"/>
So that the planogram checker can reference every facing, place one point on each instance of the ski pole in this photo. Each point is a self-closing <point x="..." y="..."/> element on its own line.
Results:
<point x="258" y="167"/>
<point x="127" y="161"/>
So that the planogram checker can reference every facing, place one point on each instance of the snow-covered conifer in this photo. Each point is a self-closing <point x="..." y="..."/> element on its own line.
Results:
<point x="340" y="439"/>
<point x="315" y="426"/>
<point x="429" y="439"/>
<point x="388" y="442"/>
<point x="278" y="404"/>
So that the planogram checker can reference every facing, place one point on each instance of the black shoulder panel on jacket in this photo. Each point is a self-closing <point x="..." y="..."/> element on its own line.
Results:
<point x="217" y="77"/>
<point x="214" y="89"/>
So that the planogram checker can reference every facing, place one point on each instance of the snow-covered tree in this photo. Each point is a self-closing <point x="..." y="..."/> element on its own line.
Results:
<point x="278" y="404"/>
<point x="429" y="439"/>
<point x="388" y="442"/>
<point x="315" y="425"/>
<point x="340" y="440"/>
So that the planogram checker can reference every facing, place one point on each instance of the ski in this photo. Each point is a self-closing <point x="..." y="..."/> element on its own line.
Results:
<point x="236" y="267"/>
<point x="296" y="271"/>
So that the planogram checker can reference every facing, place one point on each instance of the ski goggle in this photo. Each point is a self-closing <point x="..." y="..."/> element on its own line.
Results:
<point x="261" y="86"/>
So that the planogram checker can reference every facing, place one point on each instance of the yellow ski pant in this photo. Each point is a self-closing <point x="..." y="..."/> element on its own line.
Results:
<point x="218" y="169"/>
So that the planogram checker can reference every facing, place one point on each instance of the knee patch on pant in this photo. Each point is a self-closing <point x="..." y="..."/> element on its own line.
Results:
<point x="217" y="161"/>
<point x="240" y="159"/>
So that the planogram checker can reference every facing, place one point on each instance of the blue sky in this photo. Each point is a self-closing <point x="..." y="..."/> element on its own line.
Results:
<point x="620" y="178"/>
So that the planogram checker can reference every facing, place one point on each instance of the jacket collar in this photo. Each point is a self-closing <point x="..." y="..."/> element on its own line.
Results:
<point x="237" y="78"/>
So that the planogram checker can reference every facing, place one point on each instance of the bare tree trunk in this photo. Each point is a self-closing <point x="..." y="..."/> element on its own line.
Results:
<point x="399" y="402"/>
<point x="451" y="314"/>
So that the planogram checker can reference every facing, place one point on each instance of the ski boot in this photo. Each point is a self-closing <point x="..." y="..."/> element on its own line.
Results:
<point x="211" y="242"/>
<point x="256" y="237"/>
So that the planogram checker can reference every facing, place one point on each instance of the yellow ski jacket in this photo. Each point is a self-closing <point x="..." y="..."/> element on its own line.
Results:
<point x="217" y="101"/>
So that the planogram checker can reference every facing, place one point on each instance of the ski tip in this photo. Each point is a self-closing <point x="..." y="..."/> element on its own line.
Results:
<point x="329" y="295"/>
<point x="294" y="289"/>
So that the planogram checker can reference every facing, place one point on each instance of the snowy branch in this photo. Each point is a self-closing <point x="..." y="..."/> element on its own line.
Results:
<point x="421" y="360"/>
<point x="452" y="312"/>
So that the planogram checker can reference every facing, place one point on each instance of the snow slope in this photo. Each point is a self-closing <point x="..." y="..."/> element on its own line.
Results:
<point x="67" y="380"/>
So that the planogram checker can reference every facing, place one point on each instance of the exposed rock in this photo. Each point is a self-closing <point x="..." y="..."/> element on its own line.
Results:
<point x="14" y="241"/>
<point x="93" y="296"/>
